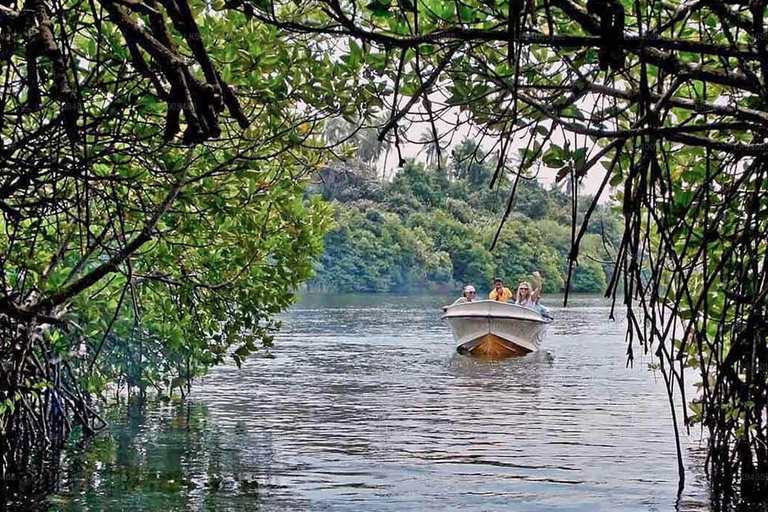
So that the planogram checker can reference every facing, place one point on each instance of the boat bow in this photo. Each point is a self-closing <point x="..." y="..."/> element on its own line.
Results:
<point x="495" y="329"/>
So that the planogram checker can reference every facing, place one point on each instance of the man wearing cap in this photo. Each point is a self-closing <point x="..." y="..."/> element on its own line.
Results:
<point x="468" y="294"/>
<point x="500" y="292"/>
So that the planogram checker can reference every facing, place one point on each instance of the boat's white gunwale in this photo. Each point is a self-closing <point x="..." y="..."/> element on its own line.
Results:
<point x="448" y="316"/>
<point x="492" y="309"/>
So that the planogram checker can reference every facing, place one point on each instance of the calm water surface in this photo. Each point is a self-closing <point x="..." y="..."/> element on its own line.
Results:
<point x="367" y="406"/>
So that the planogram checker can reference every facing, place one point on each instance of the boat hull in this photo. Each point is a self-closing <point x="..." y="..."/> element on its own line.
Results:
<point x="491" y="346"/>
<point x="495" y="330"/>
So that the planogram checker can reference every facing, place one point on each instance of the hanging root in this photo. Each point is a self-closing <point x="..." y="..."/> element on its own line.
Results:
<point x="40" y="404"/>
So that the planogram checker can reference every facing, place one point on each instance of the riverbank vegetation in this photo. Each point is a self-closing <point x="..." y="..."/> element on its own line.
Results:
<point x="153" y="219"/>
<point x="431" y="227"/>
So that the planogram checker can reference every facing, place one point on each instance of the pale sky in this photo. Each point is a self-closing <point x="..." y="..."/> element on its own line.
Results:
<point x="546" y="176"/>
<point x="461" y="129"/>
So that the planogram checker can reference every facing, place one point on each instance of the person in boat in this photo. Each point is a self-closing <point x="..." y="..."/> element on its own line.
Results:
<point x="500" y="292"/>
<point x="528" y="296"/>
<point x="468" y="294"/>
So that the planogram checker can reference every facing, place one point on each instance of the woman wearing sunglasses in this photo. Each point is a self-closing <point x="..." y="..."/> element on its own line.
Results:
<point x="528" y="296"/>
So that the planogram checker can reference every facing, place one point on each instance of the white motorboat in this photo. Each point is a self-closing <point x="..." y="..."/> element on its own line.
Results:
<point x="495" y="330"/>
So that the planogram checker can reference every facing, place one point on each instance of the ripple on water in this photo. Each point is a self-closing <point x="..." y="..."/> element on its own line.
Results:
<point x="367" y="406"/>
<point x="373" y="398"/>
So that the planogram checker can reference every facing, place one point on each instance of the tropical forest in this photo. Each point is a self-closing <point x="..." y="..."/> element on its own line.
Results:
<point x="246" y="248"/>
<point x="430" y="228"/>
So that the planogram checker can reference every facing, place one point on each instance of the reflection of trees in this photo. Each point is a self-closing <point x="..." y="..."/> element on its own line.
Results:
<point x="26" y="482"/>
<point x="155" y="457"/>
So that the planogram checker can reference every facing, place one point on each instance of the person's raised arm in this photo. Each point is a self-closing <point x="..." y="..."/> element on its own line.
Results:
<point x="536" y="292"/>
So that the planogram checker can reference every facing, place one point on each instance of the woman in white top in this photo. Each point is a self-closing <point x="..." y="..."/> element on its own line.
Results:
<point x="529" y="297"/>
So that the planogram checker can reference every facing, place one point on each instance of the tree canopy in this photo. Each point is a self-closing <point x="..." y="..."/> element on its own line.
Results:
<point x="129" y="126"/>
<point x="153" y="221"/>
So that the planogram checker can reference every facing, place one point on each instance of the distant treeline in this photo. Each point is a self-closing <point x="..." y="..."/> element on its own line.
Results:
<point x="430" y="228"/>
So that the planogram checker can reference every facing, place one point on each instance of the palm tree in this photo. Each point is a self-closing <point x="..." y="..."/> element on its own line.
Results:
<point x="369" y="147"/>
<point x="430" y="147"/>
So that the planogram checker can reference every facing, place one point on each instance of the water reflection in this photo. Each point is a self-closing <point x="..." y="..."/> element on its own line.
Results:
<point x="367" y="406"/>
<point x="162" y="457"/>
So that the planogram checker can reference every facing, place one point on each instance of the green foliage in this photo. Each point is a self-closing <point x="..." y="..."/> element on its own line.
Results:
<point x="588" y="277"/>
<point x="522" y="250"/>
<point x="431" y="227"/>
<point x="369" y="251"/>
<point x="149" y="259"/>
<point x="471" y="165"/>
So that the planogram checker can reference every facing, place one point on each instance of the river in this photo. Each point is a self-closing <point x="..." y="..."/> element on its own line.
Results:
<point x="367" y="406"/>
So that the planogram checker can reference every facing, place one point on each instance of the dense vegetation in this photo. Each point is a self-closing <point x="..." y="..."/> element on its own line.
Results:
<point x="152" y="212"/>
<point x="431" y="227"/>
<point x="153" y="154"/>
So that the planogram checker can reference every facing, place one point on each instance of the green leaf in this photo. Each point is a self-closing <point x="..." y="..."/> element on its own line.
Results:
<point x="379" y="7"/>
<point x="562" y="173"/>
<point x="355" y="54"/>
